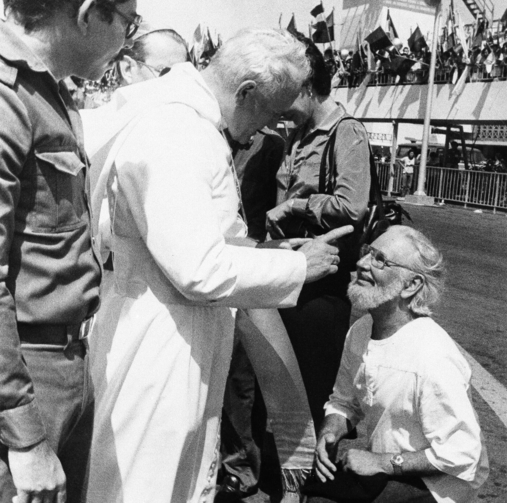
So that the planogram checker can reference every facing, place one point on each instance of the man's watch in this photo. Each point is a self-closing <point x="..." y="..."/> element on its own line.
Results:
<point x="397" y="462"/>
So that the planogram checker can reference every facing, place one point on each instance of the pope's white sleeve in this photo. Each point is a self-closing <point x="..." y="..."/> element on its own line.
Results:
<point x="166" y="173"/>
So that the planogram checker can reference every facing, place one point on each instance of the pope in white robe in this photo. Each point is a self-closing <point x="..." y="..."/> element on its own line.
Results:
<point x="163" y="337"/>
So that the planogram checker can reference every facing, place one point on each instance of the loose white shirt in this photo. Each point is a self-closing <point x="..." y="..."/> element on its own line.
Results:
<point x="408" y="165"/>
<point x="412" y="390"/>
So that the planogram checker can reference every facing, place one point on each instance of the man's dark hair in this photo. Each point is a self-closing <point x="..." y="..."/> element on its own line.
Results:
<point x="320" y="78"/>
<point x="138" y="51"/>
<point x="32" y="14"/>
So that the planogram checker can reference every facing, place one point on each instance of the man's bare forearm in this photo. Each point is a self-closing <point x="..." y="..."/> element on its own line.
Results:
<point x="414" y="463"/>
<point x="369" y="463"/>
<point x="337" y="425"/>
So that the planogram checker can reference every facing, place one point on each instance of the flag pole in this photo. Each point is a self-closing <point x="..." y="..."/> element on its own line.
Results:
<point x="280" y="21"/>
<point x="327" y="27"/>
<point x="429" y="104"/>
<point x="334" y="39"/>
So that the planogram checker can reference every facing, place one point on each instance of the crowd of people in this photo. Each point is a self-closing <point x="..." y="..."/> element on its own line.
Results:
<point x="167" y="260"/>
<point x="483" y="55"/>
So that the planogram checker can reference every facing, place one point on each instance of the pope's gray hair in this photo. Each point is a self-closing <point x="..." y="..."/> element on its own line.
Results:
<point x="429" y="263"/>
<point x="274" y="59"/>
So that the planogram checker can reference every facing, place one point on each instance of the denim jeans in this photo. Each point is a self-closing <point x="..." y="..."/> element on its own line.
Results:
<point x="406" y="183"/>
<point x="64" y="395"/>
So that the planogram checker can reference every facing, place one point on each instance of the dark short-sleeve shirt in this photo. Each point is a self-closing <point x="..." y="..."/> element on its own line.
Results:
<point x="49" y="271"/>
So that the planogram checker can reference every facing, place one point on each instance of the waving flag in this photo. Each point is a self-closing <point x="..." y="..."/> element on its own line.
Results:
<point x="291" y="27"/>
<point x="318" y="9"/>
<point x="324" y="29"/>
<point x="198" y="34"/>
<point x="416" y="41"/>
<point x="378" y="40"/>
<point x="390" y="26"/>
<point x="503" y="19"/>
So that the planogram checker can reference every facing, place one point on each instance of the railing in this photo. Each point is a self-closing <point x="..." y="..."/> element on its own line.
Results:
<point x="478" y="73"/>
<point x="474" y="188"/>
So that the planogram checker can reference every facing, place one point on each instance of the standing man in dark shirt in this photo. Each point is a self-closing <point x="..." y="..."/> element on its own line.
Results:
<point x="49" y="270"/>
<point x="317" y="326"/>
<point x="453" y="156"/>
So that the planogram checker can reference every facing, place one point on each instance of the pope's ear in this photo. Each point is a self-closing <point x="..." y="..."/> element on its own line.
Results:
<point x="125" y="68"/>
<point x="83" y="16"/>
<point x="245" y="91"/>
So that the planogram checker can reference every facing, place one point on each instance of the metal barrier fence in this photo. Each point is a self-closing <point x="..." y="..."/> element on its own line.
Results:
<point x="475" y="188"/>
<point x="478" y="73"/>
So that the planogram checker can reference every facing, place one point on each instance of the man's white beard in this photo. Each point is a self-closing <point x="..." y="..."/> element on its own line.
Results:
<point x="369" y="297"/>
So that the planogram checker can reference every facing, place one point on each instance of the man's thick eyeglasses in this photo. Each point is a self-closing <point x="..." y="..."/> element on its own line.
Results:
<point x="378" y="259"/>
<point x="133" y="23"/>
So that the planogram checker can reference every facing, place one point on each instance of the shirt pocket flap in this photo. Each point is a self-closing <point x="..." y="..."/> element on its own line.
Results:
<point x="66" y="162"/>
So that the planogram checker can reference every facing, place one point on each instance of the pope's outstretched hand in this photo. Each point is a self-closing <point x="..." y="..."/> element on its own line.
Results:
<point x="322" y="257"/>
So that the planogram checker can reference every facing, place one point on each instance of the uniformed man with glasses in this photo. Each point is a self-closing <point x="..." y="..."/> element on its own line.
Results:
<point x="50" y="271"/>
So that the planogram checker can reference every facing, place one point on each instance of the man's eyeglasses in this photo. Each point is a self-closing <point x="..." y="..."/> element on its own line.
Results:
<point x="157" y="71"/>
<point x="378" y="259"/>
<point x="133" y="23"/>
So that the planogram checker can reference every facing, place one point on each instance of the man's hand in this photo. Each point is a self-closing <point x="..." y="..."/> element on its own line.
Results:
<point x="364" y="462"/>
<point x="326" y="446"/>
<point x="277" y="215"/>
<point x="37" y="474"/>
<point x="284" y="244"/>
<point x="322" y="258"/>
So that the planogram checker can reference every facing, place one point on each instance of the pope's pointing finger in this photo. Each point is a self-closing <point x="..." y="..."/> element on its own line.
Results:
<point x="335" y="234"/>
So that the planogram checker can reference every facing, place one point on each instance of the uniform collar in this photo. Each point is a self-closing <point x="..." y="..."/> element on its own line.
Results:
<point x="326" y="125"/>
<point x="330" y="120"/>
<point x="14" y="50"/>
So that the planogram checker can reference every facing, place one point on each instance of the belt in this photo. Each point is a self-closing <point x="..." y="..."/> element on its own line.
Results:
<point x="60" y="335"/>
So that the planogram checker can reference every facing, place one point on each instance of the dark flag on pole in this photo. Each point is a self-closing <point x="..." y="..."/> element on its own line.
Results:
<point x="209" y="49"/>
<point x="291" y="27"/>
<point x="390" y="25"/>
<point x="378" y="40"/>
<point x="324" y="30"/>
<point x="503" y="19"/>
<point x="479" y="33"/>
<point x="416" y="41"/>
<point x="330" y="25"/>
<point x="318" y="9"/>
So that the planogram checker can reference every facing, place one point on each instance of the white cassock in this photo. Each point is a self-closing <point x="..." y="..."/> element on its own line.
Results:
<point x="163" y="339"/>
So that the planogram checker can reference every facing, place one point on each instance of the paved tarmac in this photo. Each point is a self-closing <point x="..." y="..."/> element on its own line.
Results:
<point x="474" y="312"/>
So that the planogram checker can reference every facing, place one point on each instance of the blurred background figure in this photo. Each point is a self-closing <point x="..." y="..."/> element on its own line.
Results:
<point x="408" y="165"/>
<point x="153" y="54"/>
<point x="330" y="61"/>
